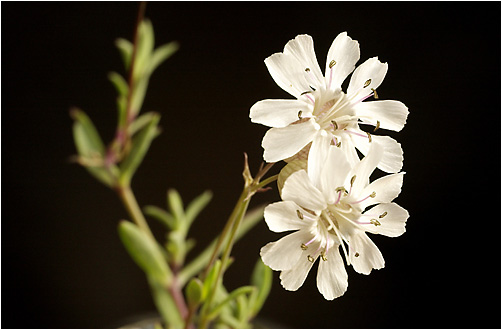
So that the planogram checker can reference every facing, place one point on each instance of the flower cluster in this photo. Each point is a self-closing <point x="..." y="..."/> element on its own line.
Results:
<point x="328" y="200"/>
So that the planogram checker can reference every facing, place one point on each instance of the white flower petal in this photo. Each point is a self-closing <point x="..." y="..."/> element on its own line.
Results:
<point x="332" y="279"/>
<point x="386" y="188"/>
<point x="285" y="253"/>
<point x="284" y="142"/>
<point x="345" y="52"/>
<point x="317" y="157"/>
<point x="302" y="48"/>
<point x="393" y="221"/>
<point x="277" y="113"/>
<point x="334" y="173"/>
<point x="392" y="158"/>
<point x="368" y="255"/>
<point x="391" y="114"/>
<point x="367" y="76"/>
<point x="283" y="216"/>
<point x="288" y="73"/>
<point x="365" y="167"/>
<point x="294" y="278"/>
<point x="300" y="190"/>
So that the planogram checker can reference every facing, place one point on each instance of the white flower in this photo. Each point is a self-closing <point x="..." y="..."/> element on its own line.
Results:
<point x="322" y="106"/>
<point x="328" y="209"/>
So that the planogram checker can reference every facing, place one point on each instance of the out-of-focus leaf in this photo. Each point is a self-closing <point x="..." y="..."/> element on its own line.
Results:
<point x="160" y="214"/>
<point x="261" y="278"/>
<point x="140" y="145"/>
<point x="196" y="206"/>
<point x="231" y="297"/>
<point x="91" y="148"/>
<point x="125" y="49"/>
<point x="141" y="122"/>
<point x="145" y="252"/>
<point x="146" y="40"/>
<point x="161" y="54"/>
<point x="139" y="92"/>
<point x="193" y="292"/>
<point x="176" y="205"/>
<point x="210" y="279"/>
<point x="166" y="305"/>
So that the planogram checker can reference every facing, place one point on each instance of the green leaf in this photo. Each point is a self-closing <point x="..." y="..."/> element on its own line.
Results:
<point x="176" y="206"/>
<point x="166" y="305"/>
<point x="145" y="252"/>
<point x="91" y="149"/>
<point x="252" y="218"/>
<point x="161" y="54"/>
<point x="163" y="216"/>
<point x="196" y="206"/>
<point x="139" y="92"/>
<point x="210" y="279"/>
<point x="140" y="144"/>
<point x="125" y="49"/>
<point x="193" y="292"/>
<point x="261" y="278"/>
<point x="231" y="297"/>
<point x="146" y="40"/>
<point x="87" y="141"/>
<point x="140" y="122"/>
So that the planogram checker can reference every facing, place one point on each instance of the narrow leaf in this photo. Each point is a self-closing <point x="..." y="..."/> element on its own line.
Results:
<point x="165" y="305"/>
<point x="140" y="145"/>
<point x="196" y="206"/>
<point x="125" y="49"/>
<point x="232" y="296"/>
<point x="161" y="54"/>
<point x="261" y="278"/>
<point x="161" y="215"/>
<point x="145" y="252"/>
<point x="176" y="206"/>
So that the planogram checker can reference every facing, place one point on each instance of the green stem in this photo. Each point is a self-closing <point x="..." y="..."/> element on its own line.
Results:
<point x="130" y="203"/>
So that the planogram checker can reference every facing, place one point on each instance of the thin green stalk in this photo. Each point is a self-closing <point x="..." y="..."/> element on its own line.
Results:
<point x="130" y="203"/>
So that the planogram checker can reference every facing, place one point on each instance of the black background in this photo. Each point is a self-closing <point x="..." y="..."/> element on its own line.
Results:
<point x="63" y="265"/>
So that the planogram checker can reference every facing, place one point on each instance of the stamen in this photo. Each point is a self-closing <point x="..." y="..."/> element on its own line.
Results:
<point x="369" y="136"/>
<point x="300" y="115"/>
<point x="367" y="83"/>
<point x="377" y="126"/>
<point x="352" y="180"/>
<point x="375" y="222"/>
<point x="335" y="125"/>
<point x="355" y="133"/>
<point x="307" y="69"/>
<point x="339" y="196"/>
<point x="375" y="93"/>
<point x="372" y="195"/>
<point x="332" y="64"/>
<point x="356" y="255"/>
<point x="323" y="257"/>
<point x="306" y="92"/>
<point x="304" y="247"/>
<point x="299" y="214"/>
<point x="382" y="215"/>
<point x="310" y="258"/>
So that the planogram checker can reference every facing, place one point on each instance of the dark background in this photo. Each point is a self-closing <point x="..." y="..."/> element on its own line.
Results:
<point x="63" y="265"/>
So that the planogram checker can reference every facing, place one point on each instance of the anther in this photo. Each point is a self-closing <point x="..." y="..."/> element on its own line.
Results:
<point x="310" y="258"/>
<point x="299" y="214"/>
<point x="312" y="88"/>
<point x="377" y="126"/>
<point x="304" y="247"/>
<point x="367" y="83"/>
<point x="352" y="180"/>
<point x="332" y="63"/>
<point x="375" y="222"/>
<point x="307" y="69"/>
<point x="375" y="95"/>
<point x="373" y="194"/>
<point x="369" y="136"/>
<point x="339" y="144"/>
<point x="382" y="215"/>
<point x="306" y="92"/>
<point x="300" y="114"/>
<point x="356" y="255"/>
<point x="335" y="125"/>
<point x="323" y="256"/>
<point x="339" y="189"/>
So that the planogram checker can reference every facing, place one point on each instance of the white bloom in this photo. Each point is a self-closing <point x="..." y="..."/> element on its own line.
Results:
<point x="322" y="106"/>
<point x="328" y="209"/>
